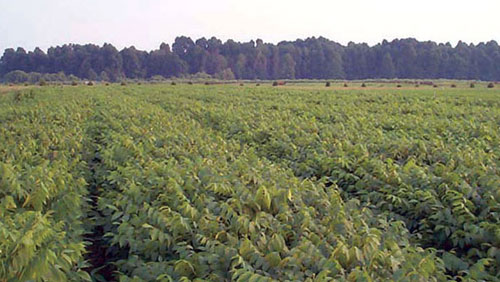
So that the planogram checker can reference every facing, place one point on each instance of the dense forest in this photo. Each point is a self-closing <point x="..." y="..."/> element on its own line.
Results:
<point x="313" y="58"/>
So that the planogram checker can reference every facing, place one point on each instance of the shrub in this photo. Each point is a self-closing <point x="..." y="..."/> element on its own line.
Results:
<point x="173" y="83"/>
<point x="25" y="84"/>
<point x="453" y="86"/>
<point x="123" y="83"/>
<point x="72" y="78"/>
<point x="275" y="83"/>
<point x="42" y="82"/>
<point x="90" y="83"/>
<point x="226" y="74"/>
<point x="241" y="84"/>
<point x="472" y="85"/>
<point x="190" y="82"/>
<point x="491" y="85"/>
<point x="417" y="85"/>
<point x="157" y="78"/>
<point x="139" y="83"/>
<point x="328" y="84"/>
<point x="258" y="84"/>
<point x="17" y="76"/>
<point x="345" y="85"/>
<point x="207" y="83"/>
<point x="363" y="85"/>
<point x="107" y="84"/>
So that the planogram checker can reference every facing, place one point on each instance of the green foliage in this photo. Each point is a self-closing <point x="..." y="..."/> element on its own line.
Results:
<point x="42" y="188"/>
<point x="226" y="74"/>
<point x="251" y="183"/>
<point x="23" y="95"/>
<point x="16" y="77"/>
<point x="203" y="59"/>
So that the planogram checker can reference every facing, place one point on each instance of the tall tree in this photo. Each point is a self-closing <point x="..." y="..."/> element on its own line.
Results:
<point x="387" y="69"/>
<point x="310" y="58"/>
<point x="133" y="61"/>
<point x="287" y="67"/>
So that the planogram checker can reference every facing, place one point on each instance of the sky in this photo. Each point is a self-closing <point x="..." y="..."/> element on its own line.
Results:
<point x="145" y="24"/>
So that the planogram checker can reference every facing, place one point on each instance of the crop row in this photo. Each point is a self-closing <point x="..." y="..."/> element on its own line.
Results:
<point x="432" y="162"/>
<point x="180" y="201"/>
<point x="42" y="187"/>
<point x="223" y="183"/>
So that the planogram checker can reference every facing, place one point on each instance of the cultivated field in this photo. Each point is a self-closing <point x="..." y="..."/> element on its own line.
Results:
<point x="299" y="182"/>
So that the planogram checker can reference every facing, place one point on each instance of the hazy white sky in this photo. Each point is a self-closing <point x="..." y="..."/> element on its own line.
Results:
<point x="147" y="23"/>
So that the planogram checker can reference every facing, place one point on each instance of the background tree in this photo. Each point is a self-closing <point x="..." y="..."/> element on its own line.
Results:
<point x="226" y="74"/>
<point x="313" y="58"/>
<point x="287" y="67"/>
<point x="16" y="77"/>
<point x="387" y="69"/>
<point x="132" y="62"/>
<point x="104" y="76"/>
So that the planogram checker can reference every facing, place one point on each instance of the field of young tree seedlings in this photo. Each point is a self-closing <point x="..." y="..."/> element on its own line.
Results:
<point x="250" y="183"/>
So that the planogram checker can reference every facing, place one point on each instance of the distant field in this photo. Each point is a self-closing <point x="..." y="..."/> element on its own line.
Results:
<point x="298" y="182"/>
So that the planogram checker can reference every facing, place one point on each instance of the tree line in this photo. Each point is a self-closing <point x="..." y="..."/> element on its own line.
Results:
<point x="312" y="58"/>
